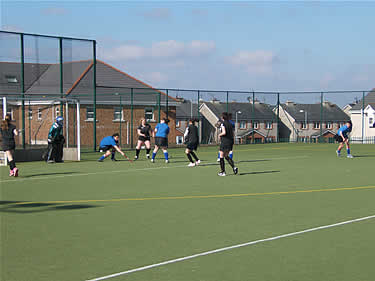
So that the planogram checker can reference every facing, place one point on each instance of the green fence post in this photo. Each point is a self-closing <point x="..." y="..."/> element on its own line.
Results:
<point x="23" y="89"/>
<point x="278" y="117"/>
<point x="227" y="101"/>
<point x="131" y="118"/>
<point x="167" y="103"/>
<point x="120" y="120"/>
<point x="159" y="101"/>
<point x="321" y="118"/>
<point x="252" y="117"/>
<point x="199" y="118"/>
<point x="61" y="76"/>
<point x="94" y="82"/>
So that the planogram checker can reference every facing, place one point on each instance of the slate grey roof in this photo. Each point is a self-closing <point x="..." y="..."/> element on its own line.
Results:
<point x="44" y="79"/>
<point x="262" y="112"/>
<point x="186" y="110"/>
<point x="369" y="99"/>
<point x="331" y="112"/>
<point x="242" y="133"/>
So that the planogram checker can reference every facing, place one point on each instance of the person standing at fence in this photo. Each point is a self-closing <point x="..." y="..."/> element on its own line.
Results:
<point x="342" y="137"/>
<point x="161" y="139"/>
<point x="226" y="144"/>
<point x="192" y="141"/>
<point x="8" y="131"/>
<point x="144" y="135"/>
<point x="56" y="141"/>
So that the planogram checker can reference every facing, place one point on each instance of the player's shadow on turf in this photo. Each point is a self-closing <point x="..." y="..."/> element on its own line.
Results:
<point x="256" y="173"/>
<point x="22" y="207"/>
<point x="49" y="174"/>
<point x="363" y="156"/>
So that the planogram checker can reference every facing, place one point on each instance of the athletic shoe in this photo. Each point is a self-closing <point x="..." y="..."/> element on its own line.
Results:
<point x="11" y="173"/>
<point x="198" y="162"/>
<point x="235" y="170"/>
<point x="167" y="161"/>
<point x="152" y="160"/>
<point x="100" y="160"/>
<point x="148" y="156"/>
<point x="338" y="153"/>
<point x="51" y="161"/>
<point x="114" y="159"/>
<point x="15" y="172"/>
<point x="221" y="174"/>
<point x="350" y="156"/>
<point x="191" y="164"/>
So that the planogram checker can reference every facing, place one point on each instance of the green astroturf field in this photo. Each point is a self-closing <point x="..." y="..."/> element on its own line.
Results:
<point x="88" y="220"/>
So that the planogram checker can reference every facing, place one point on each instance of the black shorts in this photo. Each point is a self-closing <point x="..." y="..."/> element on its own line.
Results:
<point x="105" y="148"/>
<point x="339" y="138"/>
<point x="161" y="142"/>
<point x="192" y="145"/>
<point x="9" y="146"/>
<point x="142" y="138"/>
<point x="226" y="147"/>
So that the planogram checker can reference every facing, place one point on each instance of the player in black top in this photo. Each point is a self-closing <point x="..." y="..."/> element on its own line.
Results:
<point x="192" y="142"/>
<point x="144" y="134"/>
<point x="226" y="145"/>
<point x="8" y="131"/>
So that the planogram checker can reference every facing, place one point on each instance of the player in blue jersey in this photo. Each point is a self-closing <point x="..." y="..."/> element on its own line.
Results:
<point x="161" y="139"/>
<point x="342" y="137"/>
<point x="109" y="143"/>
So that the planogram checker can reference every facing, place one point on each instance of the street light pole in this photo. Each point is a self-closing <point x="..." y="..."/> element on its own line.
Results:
<point x="305" y="123"/>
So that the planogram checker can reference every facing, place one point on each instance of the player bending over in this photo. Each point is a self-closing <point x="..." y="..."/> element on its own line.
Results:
<point x="161" y="139"/>
<point x="226" y="144"/>
<point x="342" y="137"/>
<point x="107" y="144"/>
<point x="192" y="142"/>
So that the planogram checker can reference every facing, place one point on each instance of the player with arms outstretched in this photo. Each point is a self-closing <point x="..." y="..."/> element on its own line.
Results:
<point x="109" y="143"/>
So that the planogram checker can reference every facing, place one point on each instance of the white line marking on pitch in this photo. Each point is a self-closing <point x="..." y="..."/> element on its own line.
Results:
<point x="230" y="248"/>
<point x="130" y="170"/>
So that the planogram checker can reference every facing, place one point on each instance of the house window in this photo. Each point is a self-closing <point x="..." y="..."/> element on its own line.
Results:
<point x="178" y="124"/>
<point x="89" y="113"/>
<point x="303" y="125"/>
<point x="329" y="125"/>
<point x="118" y="114"/>
<point x="268" y="125"/>
<point x="179" y="139"/>
<point x="316" y="125"/>
<point x="30" y="114"/>
<point x="11" y="79"/>
<point x="256" y="125"/>
<point x="39" y="114"/>
<point x="10" y="112"/>
<point x="242" y="124"/>
<point x="149" y="114"/>
<point x="371" y="122"/>
<point x="57" y="111"/>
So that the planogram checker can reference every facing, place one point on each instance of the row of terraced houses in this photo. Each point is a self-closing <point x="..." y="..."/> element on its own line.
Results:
<point x="255" y="121"/>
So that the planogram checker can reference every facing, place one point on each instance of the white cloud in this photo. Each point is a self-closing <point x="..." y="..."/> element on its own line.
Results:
<point x="255" y="62"/>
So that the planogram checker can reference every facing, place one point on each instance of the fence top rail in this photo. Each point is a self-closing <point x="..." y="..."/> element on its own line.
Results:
<point x="47" y="36"/>
<point x="238" y="92"/>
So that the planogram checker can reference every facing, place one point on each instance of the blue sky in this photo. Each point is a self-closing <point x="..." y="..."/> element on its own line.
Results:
<point x="243" y="45"/>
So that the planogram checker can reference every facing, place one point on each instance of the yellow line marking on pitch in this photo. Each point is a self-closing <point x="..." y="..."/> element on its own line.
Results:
<point x="197" y="196"/>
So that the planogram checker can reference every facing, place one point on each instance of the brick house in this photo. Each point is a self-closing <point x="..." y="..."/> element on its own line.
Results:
<point x="303" y="122"/>
<point x="185" y="111"/>
<point x="117" y="96"/>
<point x="254" y="120"/>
